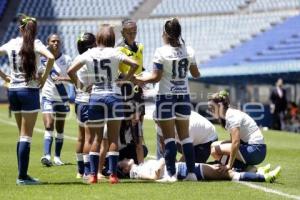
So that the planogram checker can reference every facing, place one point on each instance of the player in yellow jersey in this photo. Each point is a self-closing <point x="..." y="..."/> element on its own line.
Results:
<point x="133" y="94"/>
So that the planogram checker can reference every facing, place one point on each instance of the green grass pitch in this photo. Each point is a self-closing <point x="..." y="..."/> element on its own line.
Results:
<point x="60" y="183"/>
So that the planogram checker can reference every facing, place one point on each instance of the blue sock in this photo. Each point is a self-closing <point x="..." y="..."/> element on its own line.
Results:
<point x="189" y="154"/>
<point x="86" y="163"/>
<point x="170" y="155"/>
<point x="250" y="176"/>
<point x="94" y="161"/>
<point x="113" y="157"/>
<point x="48" y="139"/>
<point x="80" y="164"/>
<point x="18" y="144"/>
<point x="59" y="140"/>
<point x="23" y="152"/>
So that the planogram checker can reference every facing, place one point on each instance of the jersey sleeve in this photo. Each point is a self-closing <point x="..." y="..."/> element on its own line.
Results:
<point x="82" y="58"/>
<point x="120" y="56"/>
<point x="191" y="53"/>
<point x="39" y="46"/>
<point x="233" y="121"/>
<point x="5" y="47"/>
<point x="158" y="60"/>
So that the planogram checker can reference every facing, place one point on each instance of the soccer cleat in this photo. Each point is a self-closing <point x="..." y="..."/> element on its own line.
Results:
<point x="100" y="176"/>
<point x="78" y="176"/>
<point x="57" y="161"/>
<point x="190" y="177"/>
<point x="46" y="162"/>
<point x="167" y="179"/>
<point x="264" y="169"/>
<point x="92" y="179"/>
<point x="28" y="181"/>
<point x="272" y="175"/>
<point x="113" y="179"/>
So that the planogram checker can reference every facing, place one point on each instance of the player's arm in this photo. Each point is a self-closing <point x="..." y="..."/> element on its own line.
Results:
<point x="50" y="61"/>
<point x="154" y="77"/>
<point x="194" y="71"/>
<point x="4" y="76"/>
<point x="235" y="144"/>
<point x="76" y="65"/>
<point x="133" y="67"/>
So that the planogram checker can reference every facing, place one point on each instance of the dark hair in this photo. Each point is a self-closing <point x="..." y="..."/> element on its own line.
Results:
<point x="106" y="36"/>
<point x="51" y="35"/>
<point x="127" y="21"/>
<point x="172" y="29"/>
<point x="85" y="41"/>
<point x="28" y="26"/>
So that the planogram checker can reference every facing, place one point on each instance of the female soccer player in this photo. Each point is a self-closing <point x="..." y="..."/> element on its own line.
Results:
<point x="156" y="170"/>
<point x="23" y="94"/>
<point x="133" y="94"/>
<point x="171" y="65"/>
<point x="246" y="146"/>
<point x="55" y="102"/>
<point x="105" y="104"/>
<point x="85" y="41"/>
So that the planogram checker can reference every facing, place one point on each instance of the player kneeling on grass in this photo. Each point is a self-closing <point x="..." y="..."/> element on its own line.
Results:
<point x="246" y="147"/>
<point x="156" y="170"/>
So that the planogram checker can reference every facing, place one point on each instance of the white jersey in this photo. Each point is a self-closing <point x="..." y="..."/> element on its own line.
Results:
<point x="201" y="130"/>
<point x="57" y="90"/>
<point x="102" y="65"/>
<point x="12" y="48"/>
<point x="249" y="131"/>
<point x="149" y="167"/>
<point x="175" y="63"/>
<point x="82" y="96"/>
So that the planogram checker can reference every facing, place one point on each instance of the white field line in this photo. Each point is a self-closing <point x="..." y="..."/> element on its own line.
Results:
<point x="268" y="190"/>
<point x="251" y="185"/>
<point x="35" y="129"/>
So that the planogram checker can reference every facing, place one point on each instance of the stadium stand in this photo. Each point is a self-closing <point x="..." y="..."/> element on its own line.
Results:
<point x="198" y="7"/>
<point x="78" y="9"/>
<point x="210" y="35"/>
<point x="267" y="5"/>
<point x="3" y="4"/>
<point x="278" y="44"/>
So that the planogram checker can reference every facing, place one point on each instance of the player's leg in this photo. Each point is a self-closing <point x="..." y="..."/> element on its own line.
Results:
<point x="165" y="116"/>
<point x="183" y="111"/>
<point x="113" y="130"/>
<point x="79" y="151"/>
<point x="48" y="119"/>
<point x="96" y="132"/>
<point x="59" y="138"/>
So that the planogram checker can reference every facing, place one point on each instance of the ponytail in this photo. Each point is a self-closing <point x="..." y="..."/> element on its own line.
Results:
<point x="172" y="29"/>
<point x="27" y="54"/>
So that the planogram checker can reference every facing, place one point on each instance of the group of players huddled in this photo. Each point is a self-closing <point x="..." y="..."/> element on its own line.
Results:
<point x="110" y="109"/>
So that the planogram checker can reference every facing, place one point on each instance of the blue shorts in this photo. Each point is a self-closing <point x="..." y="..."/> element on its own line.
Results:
<point x="253" y="154"/>
<point x="182" y="171"/>
<point x="24" y="100"/>
<point x="104" y="107"/>
<point x="49" y="106"/>
<point x="81" y="110"/>
<point x="172" y="106"/>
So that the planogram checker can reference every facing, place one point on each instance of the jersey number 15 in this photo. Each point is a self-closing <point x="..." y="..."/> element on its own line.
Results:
<point x="102" y="65"/>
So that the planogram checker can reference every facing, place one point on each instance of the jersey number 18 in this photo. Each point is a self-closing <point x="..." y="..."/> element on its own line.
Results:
<point x="180" y="68"/>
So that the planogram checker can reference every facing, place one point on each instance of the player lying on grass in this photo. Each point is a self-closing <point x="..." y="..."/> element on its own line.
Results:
<point x="156" y="170"/>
